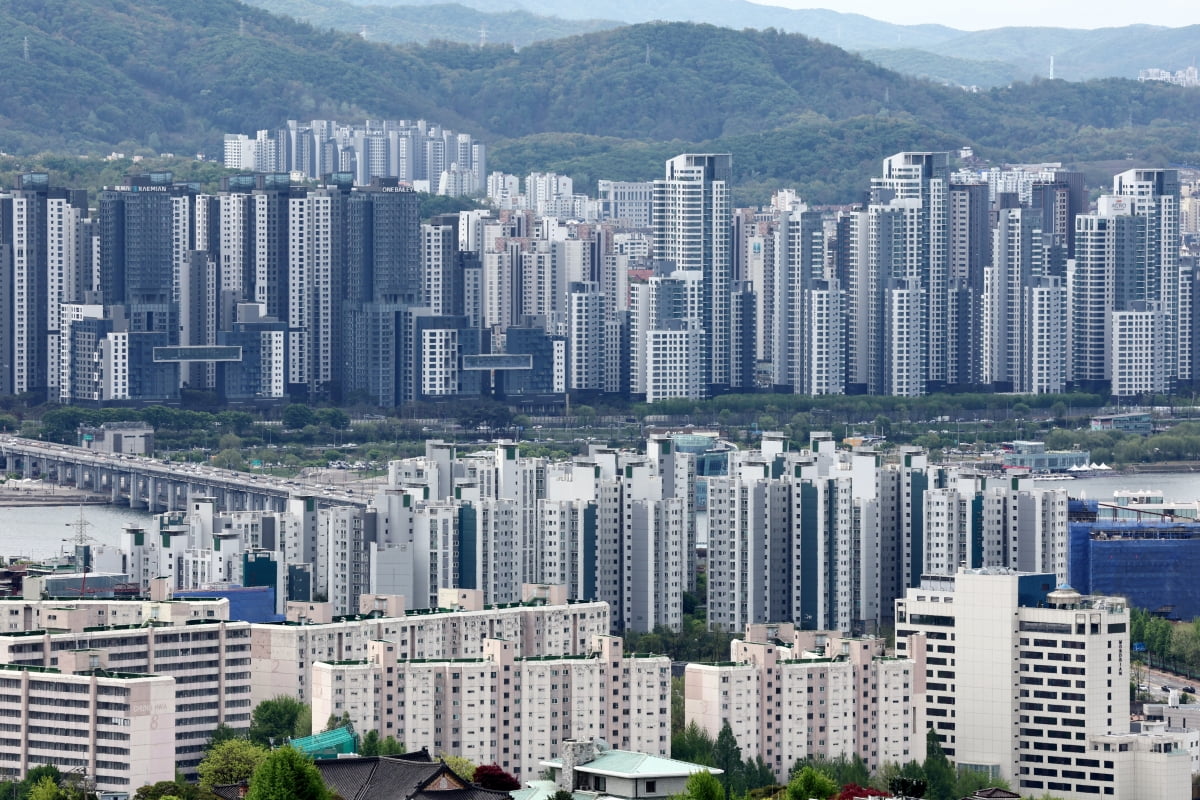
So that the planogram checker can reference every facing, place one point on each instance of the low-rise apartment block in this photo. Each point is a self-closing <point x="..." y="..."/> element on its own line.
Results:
<point x="818" y="695"/>
<point x="500" y="707"/>
<point x="118" y="729"/>
<point x="207" y="663"/>
<point x="543" y="624"/>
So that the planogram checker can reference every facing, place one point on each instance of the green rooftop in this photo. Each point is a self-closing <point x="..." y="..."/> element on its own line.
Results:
<point x="328" y="744"/>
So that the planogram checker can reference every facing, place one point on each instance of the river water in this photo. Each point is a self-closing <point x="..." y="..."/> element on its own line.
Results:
<point x="1175" y="486"/>
<point x="43" y="531"/>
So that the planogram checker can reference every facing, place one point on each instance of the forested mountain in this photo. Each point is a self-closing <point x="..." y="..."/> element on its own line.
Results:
<point x="936" y="51"/>
<point x="175" y="74"/>
<point x="450" y="22"/>
<point x="851" y="31"/>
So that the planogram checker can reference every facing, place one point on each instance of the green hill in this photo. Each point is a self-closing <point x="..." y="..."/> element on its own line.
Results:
<point x="174" y="75"/>
<point x="948" y="69"/>
<point x="447" y="21"/>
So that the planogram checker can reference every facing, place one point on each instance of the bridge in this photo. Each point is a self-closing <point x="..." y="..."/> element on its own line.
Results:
<point x="156" y="485"/>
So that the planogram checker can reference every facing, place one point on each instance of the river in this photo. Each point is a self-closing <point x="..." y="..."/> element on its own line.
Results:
<point x="1175" y="486"/>
<point x="43" y="531"/>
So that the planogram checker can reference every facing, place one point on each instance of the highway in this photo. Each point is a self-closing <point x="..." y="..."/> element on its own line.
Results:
<point x="161" y="485"/>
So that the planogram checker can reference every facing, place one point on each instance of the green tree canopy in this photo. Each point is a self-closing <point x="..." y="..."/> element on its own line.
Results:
<point x="34" y="776"/>
<point x="46" y="789"/>
<point x="369" y="746"/>
<point x="391" y="747"/>
<point x="287" y="774"/>
<point x="811" y="783"/>
<point x="281" y="718"/>
<point x="230" y="761"/>
<point x="939" y="772"/>
<point x="166" y="789"/>
<point x="298" y="416"/>
<point x="461" y="766"/>
<point x="703" y="785"/>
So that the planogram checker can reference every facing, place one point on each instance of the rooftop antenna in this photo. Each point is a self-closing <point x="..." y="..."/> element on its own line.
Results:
<point x="482" y="36"/>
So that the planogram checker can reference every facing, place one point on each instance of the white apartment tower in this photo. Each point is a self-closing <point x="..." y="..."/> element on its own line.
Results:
<point x="692" y="219"/>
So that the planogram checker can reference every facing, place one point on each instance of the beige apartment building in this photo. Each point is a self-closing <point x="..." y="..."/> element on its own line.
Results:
<point x="543" y="624"/>
<point x="207" y="663"/>
<point x="790" y="694"/>
<point x="500" y="707"/>
<point x="117" y="729"/>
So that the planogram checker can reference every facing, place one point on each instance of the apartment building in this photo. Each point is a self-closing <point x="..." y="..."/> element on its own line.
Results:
<point x="501" y="707"/>
<point x="208" y="663"/>
<point x="543" y="624"/>
<point x="789" y="694"/>
<point x="118" y="729"/>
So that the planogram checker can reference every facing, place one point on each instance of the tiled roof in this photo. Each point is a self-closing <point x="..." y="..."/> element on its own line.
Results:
<point x="398" y="778"/>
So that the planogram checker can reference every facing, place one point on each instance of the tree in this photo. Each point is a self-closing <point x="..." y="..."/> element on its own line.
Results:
<point x="231" y="761"/>
<point x="970" y="781"/>
<point x="287" y="774"/>
<point x="334" y="418"/>
<point x="908" y="781"/>
<point x="703" y="785"/>
<point x="168" y="789"/>
<point x="334" y="722"/>
<point x="223" y="733"/>
<point x="228" y="459"/>
<point x="693" y="744"/>
<point x="493" y="776"/>
<point x="391" y="747"/>
<point x="46" y="789"/>
<point x="34" y="776"/>
<point x="369" y="746"/>
<point x="939" y="772"/>
<point x="281" y="718"/>
<point x="461" y="766"/>
<point x="298" y="416"/>
<point x="811" y="783"/>
<point x="727" y="756"/>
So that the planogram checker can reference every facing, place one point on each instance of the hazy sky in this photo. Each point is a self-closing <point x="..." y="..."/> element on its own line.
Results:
<point x="976" y="15"/>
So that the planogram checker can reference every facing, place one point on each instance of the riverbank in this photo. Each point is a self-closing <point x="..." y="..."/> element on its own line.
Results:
<point x="1161" y="466"/>
<point x="39" y="493"/>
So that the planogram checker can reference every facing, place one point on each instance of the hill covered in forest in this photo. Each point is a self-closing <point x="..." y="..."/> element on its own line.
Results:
<point x="175" y="74"/>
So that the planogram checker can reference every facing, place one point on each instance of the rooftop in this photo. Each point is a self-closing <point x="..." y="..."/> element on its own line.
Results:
<point x="628" y="764"/>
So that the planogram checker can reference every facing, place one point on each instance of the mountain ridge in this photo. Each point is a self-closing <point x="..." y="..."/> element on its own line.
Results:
<point x="175" y="75"/>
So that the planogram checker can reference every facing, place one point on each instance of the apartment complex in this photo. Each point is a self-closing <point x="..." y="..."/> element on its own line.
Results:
<point x="206" y="660"/>
<point x="789" y="695"/>
<point x="545" y="624"/>
<point x="116" y="728"/>
<point x="501" y="707"/>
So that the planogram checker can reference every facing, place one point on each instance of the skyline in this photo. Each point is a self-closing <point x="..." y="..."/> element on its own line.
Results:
<point x="1020" y="13"/>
